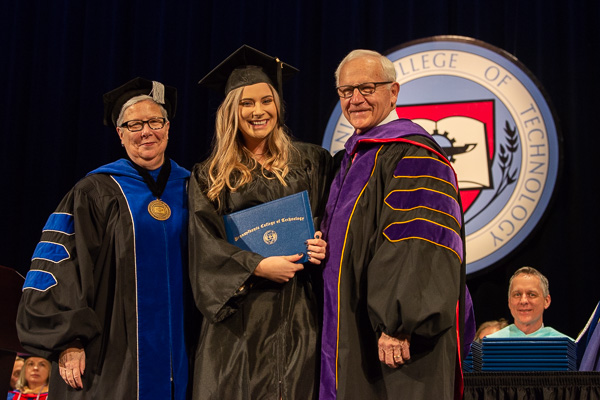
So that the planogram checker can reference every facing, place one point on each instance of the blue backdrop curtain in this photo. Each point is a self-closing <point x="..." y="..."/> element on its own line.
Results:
<point x="59" y="57"/>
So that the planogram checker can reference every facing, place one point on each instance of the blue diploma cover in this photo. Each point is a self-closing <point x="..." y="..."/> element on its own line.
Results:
<point x="277" y="228"/>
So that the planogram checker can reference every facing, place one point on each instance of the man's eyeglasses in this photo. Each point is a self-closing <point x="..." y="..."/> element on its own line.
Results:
<point x="366" y="89"/>
<point x="137" y="125"/>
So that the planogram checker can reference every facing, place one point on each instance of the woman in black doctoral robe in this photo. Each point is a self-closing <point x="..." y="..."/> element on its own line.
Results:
<point x="105" y="296"/>
<point x="260" y="333"/>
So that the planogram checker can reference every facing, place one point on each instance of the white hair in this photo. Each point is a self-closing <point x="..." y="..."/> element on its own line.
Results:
<point x="389" y="72"/>
<point x="135" y="100"/>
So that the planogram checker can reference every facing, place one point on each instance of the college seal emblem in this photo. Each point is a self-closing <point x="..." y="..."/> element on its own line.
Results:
<point x="491" y="116"/>
<point x="270" y="237"/>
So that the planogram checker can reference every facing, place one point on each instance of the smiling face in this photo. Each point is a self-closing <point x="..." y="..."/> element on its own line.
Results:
<point x="257" y="114"/>
<point x="365" y="112"/>
<point x="527" y="302"/>
<point x="147" y="147"/>
<point x="37" y="371"/>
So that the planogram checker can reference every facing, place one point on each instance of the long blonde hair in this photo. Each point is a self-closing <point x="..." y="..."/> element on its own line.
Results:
<point x="230" y="163"/>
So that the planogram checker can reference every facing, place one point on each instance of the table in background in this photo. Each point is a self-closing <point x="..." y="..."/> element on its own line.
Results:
<point x="532" y="385"/>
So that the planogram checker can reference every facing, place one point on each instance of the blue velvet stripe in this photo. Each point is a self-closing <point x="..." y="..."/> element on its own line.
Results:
<point x="50" y="251"/>
<point x="404" y="200"/>
<point x="425" y="230"/>
<point x="159" y="281"/>
<point x="416" y="167"/>
<point x="60" y="222"/>
<point x="39" y="280"/>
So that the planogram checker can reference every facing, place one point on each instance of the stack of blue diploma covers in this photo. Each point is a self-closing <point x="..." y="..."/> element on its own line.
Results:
<point x="528" y="354"/>
<point x="472" y="362"/>
<point x="277" y="228"/>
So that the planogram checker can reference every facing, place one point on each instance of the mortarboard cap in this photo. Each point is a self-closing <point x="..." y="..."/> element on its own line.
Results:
<point x="114" y="100"/>
<point x="247" y="66"/>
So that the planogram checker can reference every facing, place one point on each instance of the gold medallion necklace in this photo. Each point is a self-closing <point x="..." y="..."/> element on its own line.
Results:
<point x="157" y="208"/>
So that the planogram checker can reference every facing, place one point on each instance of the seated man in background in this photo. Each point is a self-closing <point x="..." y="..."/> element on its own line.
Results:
<point x="16" y="372"/>
<point x="528" y="297"/>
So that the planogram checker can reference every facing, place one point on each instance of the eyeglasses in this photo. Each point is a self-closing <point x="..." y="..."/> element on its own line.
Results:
<point x="137" y="125"/>
<point x="366" y="89"/>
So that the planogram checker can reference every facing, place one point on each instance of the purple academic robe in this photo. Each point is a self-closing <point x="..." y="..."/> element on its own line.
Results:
<point x="394" y="227"/>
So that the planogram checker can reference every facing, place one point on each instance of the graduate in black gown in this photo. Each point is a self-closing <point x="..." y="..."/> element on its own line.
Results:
<point x="105" y="296"/>
<point x="260" y="333"/>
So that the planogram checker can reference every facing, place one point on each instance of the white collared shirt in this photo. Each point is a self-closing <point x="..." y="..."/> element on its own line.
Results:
<point x="392" y="116"/>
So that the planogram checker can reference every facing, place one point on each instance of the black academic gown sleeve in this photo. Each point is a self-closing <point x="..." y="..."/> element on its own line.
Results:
<point x="225" y="267"/>
<point x="418" y="295"/>
<point x="50" y="321"/>
<point x="94" y="276"/>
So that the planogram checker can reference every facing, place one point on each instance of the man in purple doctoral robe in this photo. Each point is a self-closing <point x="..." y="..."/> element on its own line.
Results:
<point x="395" y="274"/>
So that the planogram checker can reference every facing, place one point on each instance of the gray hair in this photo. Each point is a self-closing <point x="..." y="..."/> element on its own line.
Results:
<point x="135" y="100"/>
<point x="389" y="72"/>
<point x="534" y="272"/>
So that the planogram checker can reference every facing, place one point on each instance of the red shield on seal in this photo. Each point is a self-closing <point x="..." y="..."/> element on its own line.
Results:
<point x="465" y="130"/>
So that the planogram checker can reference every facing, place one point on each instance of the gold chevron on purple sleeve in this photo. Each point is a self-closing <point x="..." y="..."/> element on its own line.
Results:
<point x="428" y="167"/>
<point x="422" y="229"/>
